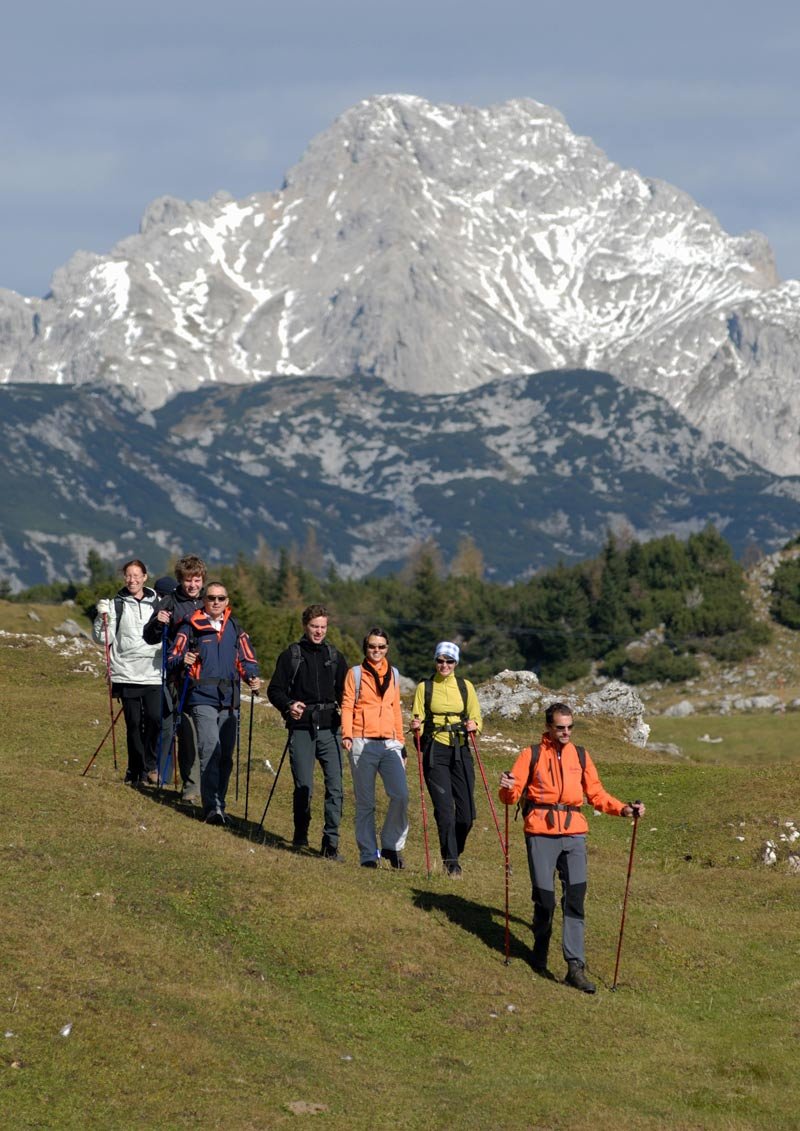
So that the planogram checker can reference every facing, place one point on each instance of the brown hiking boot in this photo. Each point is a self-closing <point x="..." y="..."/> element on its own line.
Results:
<point x="576" y="977"/>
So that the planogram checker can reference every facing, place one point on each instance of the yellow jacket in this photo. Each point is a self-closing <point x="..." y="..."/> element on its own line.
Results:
<point x="447" y="705"/>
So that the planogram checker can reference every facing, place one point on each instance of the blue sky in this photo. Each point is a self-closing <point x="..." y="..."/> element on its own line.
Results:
<point x="106" y="107"/>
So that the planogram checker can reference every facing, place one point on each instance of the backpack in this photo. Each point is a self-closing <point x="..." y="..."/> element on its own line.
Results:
<point x="535" y="752"/>
<point x="119" y="605"/>
<point x="427" y="727"/>
<point x="296" y="654"/>
<point x="357" y="679"/>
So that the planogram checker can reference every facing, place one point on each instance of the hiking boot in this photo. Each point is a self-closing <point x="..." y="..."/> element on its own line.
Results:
<point x="576" y="977"/>
<point x="394" y="858"/>
<point x="216" y="817"/>
<point x="539" y="956"/>
<point x="453" y="869"/>
<point x="299" y="843"/>
<point x="369" y="863"/>
<point x="190" y="796"/>
<point x="152" y="777"/>
<point x="330" y="852"/>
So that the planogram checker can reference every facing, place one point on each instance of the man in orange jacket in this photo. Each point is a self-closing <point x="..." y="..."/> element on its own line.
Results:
<point x="372" y="735"/>
<point x="552" y="779"/>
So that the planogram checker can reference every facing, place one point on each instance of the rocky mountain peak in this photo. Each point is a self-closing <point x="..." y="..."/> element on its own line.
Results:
<point x="437" y="247"/>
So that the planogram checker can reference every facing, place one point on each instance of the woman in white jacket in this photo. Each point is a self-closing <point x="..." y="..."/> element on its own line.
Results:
<point x="135" y="668"/>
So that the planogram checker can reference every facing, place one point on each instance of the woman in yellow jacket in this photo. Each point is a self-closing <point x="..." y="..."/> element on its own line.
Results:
<point x="372" y="735"/>
<point x="446" y="710"/>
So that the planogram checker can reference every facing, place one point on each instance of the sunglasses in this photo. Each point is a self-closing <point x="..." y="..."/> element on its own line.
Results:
<point x="217" y="597"/>
<point x="377" y="647"/>
<point x="444" y="660"/>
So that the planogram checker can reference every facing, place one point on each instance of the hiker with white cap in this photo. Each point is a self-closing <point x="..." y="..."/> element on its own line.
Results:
<point x="446" y="710"/>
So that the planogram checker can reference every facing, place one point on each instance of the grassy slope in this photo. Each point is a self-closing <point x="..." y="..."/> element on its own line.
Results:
<point x="214" y="980"/>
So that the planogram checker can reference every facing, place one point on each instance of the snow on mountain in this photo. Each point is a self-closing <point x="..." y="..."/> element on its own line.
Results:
<point x="437" y="247"/>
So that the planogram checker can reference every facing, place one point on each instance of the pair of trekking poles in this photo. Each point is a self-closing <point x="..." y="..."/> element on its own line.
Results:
<point x="504" y="844"/>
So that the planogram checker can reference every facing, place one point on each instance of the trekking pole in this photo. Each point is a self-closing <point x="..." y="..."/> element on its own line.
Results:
<point x="627" y="885"/>
<point x="277" y="775"/>
<point x="239" y="737"/>
<point x="249" y="749"/>
<point x="110" y="692"/>
<point x="160" y="752"/>
<point x="508" y="934"/>
<point x="181" y="701"/>
<point x="422" y="803"/>
<point x="488" y="793"/>
<point x="99" y="748"/>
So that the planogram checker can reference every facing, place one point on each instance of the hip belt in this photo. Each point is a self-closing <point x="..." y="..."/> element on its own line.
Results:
<point x="557" y="807"/>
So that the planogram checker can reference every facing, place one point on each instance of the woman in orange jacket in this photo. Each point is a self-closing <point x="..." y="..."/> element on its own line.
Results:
<point x="372" y="735"/>
<point x="551" y="779"/>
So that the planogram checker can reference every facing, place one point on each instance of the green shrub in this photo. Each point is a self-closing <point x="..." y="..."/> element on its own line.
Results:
<point x="660" y="663"/>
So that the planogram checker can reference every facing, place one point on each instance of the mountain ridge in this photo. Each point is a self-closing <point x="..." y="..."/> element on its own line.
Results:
<point x="534" y="469"/>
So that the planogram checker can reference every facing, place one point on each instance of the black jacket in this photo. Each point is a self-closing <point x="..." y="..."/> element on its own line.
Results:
<point x="180" y="605"/>
<point x="316" y="680"/>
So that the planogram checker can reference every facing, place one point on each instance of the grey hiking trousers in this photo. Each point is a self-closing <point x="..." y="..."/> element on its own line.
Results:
<point x="565" y="855"/>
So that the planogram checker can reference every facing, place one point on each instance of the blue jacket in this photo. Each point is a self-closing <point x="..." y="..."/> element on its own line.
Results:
<point x="223" y="658"/>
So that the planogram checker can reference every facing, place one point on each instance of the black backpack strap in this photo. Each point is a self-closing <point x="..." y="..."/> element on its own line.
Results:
<point x="535" y="752"/>
<point x="582" y="757"/>
<point x="462" y="687"/>
<point x="119" y="605"/>
<point x="296" y="657"/>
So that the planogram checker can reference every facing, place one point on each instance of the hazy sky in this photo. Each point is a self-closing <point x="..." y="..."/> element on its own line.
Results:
<point x="107" y="106"/>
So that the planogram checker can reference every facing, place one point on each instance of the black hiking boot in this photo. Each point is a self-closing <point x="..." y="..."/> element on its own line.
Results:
<point x="576" y="977"/>
<point x="330" y="851"/>
<point x="539" y="961"/>
<point x="394" y="857"/>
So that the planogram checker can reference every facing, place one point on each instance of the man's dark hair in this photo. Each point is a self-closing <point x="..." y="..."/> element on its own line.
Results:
<point x="311" y="612"/>
<point x="374" y="632"/>
<point x="557" y="709"/>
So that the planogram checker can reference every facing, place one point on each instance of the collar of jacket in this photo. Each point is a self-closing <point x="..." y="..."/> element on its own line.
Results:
<point x="201" y="619"/>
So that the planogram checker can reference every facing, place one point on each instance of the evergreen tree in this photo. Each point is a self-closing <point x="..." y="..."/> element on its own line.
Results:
<point x="425" y="621"/>
<point x="785" y="603"/>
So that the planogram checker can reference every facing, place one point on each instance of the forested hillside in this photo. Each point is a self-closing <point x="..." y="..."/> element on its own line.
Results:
<point x="641" y="611"/>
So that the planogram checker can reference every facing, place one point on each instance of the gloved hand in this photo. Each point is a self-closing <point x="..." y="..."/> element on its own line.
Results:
<point x="104" y="606"/>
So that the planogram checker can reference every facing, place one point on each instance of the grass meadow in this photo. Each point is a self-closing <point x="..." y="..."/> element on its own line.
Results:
<point x="213" y="978"/>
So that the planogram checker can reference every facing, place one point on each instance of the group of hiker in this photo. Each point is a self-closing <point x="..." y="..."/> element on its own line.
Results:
<point x="177" y="657"/>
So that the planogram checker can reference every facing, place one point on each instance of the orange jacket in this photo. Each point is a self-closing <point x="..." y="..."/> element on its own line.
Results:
<point x="557" y="781"/>
<point x="372" y="716"/>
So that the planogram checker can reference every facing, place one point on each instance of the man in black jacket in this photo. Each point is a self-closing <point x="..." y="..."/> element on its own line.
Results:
<point x="175" y="607"/>
<point x="306" y="688"/>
